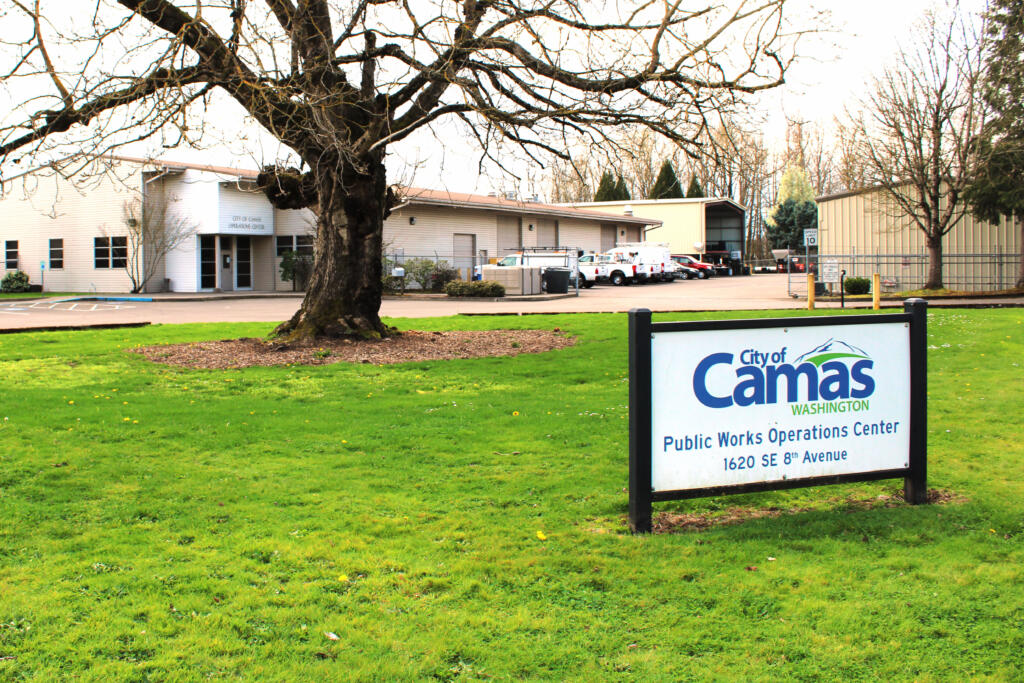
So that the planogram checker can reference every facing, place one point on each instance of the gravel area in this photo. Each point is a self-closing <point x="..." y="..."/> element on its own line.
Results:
<point x="405" y="348"/>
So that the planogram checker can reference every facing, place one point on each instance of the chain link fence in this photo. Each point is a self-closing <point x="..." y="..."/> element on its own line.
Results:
<point x="431" y="271"/>
<point x="978" y="272"/>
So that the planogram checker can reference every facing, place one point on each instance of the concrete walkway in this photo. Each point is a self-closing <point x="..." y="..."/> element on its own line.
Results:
<point x="758" y="292"/>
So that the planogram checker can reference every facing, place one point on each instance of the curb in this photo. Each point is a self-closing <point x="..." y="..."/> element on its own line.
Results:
<point x="63" y="328"/>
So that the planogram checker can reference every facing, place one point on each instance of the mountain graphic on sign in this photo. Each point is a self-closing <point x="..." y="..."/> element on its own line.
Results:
<point x="831" y="350"/>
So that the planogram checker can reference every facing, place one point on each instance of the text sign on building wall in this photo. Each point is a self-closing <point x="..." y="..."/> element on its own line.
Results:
<point x="733" y="406"/>
<point x="244" y="213"/>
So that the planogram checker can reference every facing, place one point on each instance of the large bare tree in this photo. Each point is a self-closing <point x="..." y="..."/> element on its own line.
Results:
<point x="915" y="130"/>
<point x="340" y="83"/>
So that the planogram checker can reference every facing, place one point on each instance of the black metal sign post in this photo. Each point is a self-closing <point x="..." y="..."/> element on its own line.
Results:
<point x="640" y="420"/>
<point x="915" y="485"/>
<point x="641" y="410"/>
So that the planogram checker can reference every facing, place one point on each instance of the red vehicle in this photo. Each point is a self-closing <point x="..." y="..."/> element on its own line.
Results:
<point x="796" y="265"/>
<point x="704" y="270"/>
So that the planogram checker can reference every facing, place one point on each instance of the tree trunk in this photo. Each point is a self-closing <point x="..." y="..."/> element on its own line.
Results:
<point x="934" y="263"/>
<point x="344" y="292"/>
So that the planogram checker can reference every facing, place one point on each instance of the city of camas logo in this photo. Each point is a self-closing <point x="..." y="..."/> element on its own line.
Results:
<point x="832" y="372"/>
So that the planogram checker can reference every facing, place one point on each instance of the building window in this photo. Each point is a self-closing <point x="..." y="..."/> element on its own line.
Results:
<point x="11" y="254"/>
<point x="207" y="262"/>
<point x="303" y="244"/>
<point x="118" y="252"/>
<point x="56" y="254"/>
<point x="110" y="252"/>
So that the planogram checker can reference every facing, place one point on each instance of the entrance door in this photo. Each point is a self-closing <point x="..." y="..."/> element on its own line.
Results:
<point x="207" y="262"/>
<point x="463" y="251"/>
<point x="227" y="269"/>
<point x="243" y="263"/>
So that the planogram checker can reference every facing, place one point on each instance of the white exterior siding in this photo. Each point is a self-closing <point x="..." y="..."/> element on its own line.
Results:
<point x="44" y="206"/>
<point x="182" y="266"/>
<point x="434" y="230"/>
<point x="294" y="222"/>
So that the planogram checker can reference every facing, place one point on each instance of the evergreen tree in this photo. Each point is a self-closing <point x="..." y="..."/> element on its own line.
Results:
<point x="795" y="185"/>
<point x="606" y="188"/>
<point x="789" y="220"/>
<point x="996" y="189"/>
<point x="694" y="191"/>
<point x="621" y="191"/>
<point x="667" y="185"/>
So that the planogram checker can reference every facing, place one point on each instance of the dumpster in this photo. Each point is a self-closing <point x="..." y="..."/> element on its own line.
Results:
<point x="556" y="280"/>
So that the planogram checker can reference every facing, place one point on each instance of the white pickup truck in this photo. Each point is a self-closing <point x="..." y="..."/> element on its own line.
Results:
<point x="650" y="260"/>
<point x="593" y="269"/>
<point x="619" y="270"/>
<point x="542" y="259"/>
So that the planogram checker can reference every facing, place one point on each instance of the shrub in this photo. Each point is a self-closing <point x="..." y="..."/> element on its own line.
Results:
<point x="421" y="271"/>
<point x="442" y="275"/>
<point x="857" y="285"/>
<point x="477" y="288"/>
<point x="296" y="268"/>
<point x="13" y="282"/>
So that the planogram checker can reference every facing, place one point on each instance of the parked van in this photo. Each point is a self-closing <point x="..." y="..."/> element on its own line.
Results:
<point x="650" y="258"/>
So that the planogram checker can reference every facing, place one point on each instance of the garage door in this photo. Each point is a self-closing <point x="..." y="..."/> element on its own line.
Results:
<point x="607" y="237"/>
<point x="547" y="233"/>
<point x="510" y="235"/>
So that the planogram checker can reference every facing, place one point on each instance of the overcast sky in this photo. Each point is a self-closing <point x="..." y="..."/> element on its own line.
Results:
<point x="833" y="69"/>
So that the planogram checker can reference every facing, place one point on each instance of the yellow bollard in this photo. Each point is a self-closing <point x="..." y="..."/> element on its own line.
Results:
<point x="810" y="291"/>
<point x="876" y="291"/>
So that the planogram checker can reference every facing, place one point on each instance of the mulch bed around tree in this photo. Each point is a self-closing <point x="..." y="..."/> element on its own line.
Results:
<point x="405" y="348"/>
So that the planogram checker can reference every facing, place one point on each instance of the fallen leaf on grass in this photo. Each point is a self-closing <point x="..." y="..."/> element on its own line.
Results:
<point x="751" y="568"/>
<point x="331" y="636"/>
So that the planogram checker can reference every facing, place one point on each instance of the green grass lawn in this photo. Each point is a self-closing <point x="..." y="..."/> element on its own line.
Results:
<point x="175" y="525"/>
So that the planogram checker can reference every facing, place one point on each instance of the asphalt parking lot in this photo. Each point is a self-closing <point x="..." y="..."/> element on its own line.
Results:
<point x="756" y="292"/>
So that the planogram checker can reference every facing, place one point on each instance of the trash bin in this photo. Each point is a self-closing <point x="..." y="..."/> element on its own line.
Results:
<point x="819" y="289"/>
<point x="556" y="280"/>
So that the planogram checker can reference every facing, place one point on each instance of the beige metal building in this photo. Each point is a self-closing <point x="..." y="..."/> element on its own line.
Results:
<point x="867" y="234"/>
<point x="711" y="228"/>
<point x="74" y="236"/>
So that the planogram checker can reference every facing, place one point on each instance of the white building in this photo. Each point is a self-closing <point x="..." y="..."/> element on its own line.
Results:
<point x="75" y="237"/>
